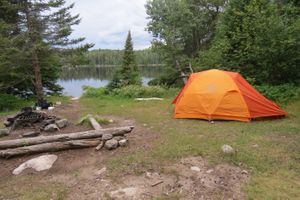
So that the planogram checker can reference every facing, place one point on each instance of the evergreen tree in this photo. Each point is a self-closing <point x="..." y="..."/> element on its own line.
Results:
<point x="43" y="34"/>
<point x="260" y="39"/>
<point x="128" y="73"/>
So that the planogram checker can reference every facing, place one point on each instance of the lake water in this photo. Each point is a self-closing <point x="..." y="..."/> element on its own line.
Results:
<point x="72" y="79"/>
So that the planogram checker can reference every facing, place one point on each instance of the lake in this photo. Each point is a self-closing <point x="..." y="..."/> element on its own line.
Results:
<point x="72" y="79"/>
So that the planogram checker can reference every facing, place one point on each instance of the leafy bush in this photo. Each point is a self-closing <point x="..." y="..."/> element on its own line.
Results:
<point x="134" y="91"/>
<point x="92" y="92"/>
<point x="131" y="91"/>
<point x="280" y="93"/>
<point x="9" y="102"/>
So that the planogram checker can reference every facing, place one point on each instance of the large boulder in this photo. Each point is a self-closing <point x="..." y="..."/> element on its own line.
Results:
<point x="38" y="164"/>
<point x="111" y="144"/>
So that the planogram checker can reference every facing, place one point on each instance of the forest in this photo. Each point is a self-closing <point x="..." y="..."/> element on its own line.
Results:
<point x="115" y="57"/>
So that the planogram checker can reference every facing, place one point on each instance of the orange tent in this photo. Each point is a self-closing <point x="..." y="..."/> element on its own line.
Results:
<point x="217" y="94"/>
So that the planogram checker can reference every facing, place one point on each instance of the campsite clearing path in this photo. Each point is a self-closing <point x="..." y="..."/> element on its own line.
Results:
<point x="75" y="174"/>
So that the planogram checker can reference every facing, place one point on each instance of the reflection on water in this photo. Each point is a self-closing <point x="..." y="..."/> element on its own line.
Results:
<point x="72" y="79"/>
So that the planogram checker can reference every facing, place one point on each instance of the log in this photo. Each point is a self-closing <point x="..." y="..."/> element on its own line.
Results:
<point x="94" y="123"/>
<point x="149" y="99"/>
<point x="48" y="147"/>
<point x="100" y="145"/>
<point x="64" y="137"/>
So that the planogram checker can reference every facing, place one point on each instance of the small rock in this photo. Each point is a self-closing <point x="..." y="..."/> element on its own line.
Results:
<point x="7" y="123"/>
<point x="31" y="134"/>
<point x="195" y="168"/>
<point x="38" y="164"/>
<point x="118" y="138"/>
<point x="255" y="145"/>
<point x="209" y="171"/>
<point x="123" y="142"/>
<point x="121" y="193"/>
<point x="58" y="103"/>
<point x="101" y="171"/>
<point x="110" y="121"/>
<point x="227" y="149"/>
<point x="4" y="132"/>
<point x="107" y="136"/>
<point x="62" y="123"/>
<point x="50" y="108"/>
<point x="111" y="144"/>
<point x="75" y="98"/>
<point x="51" y="128"/>
<point x="48" y="121"/>
<point x="245" y="172"/>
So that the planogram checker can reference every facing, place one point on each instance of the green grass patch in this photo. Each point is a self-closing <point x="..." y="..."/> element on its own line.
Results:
<point x="32" y="190"/>
<point x="269" y="149"/>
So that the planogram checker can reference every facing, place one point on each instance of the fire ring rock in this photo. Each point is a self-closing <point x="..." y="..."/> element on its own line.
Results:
<point x="62" y="123"/>
<point x="123" y="142"/>
<point x="111" y="144"/>
<point x="4" y="132"/>
<point x="51" y="128"/>
<point x="107" y="136"/>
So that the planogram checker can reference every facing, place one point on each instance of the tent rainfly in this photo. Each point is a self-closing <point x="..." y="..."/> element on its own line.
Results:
<point x="222" y="95"/>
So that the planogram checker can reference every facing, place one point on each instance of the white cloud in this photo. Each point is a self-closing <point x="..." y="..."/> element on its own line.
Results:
<point x="106" y="22"/>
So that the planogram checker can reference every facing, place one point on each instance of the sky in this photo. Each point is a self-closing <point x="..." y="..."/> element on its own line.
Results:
<point x="106" y="22"/>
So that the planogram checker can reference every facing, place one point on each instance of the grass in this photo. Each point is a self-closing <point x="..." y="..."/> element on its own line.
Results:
<point x="33" y="190"/>
<point x="269" y="149"/>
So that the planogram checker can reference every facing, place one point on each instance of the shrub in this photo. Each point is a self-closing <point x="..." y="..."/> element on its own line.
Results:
<point x="134" y="91"/>
<point x="92" y="92"/>
<point x="280" y="93"/>
<point x="9" y="102"/>
<point x="131" y="91"/>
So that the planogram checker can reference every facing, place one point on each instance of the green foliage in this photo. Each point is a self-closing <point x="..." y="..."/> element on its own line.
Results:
<point x="181" y="28"/>
<point x="91" y="92"/>
<point x="131" y="91"/>
<point x="134" y="91"/>
<point x="9" y="102"/>
<point x="34" y="37"/>
<point x="114" y="57"/>
<point x="128" y="73"/>
<point x="258" y="38"/>
<point x="280" y="93"/>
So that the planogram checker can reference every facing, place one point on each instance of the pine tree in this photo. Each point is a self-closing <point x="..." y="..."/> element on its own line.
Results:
<point x="128" y="73"/>
<point x="45" y="27"/>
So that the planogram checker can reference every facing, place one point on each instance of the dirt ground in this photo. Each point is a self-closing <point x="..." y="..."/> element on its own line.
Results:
<point x="84" y="172"/>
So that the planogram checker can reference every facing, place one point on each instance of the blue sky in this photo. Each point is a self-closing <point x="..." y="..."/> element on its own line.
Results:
<point x="106" y="22"/>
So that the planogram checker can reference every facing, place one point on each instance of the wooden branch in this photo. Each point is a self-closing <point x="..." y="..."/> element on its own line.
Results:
<point x="48" y="147"/>
<point x="94" y="123"/>
<point x="65" y="137"/>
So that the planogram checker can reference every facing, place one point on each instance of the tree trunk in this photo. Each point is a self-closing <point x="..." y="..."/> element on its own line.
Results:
<point x="35" y="60"/>
<point x="64" y="137"/>
<point x="49" y="147"/>
<point x="38" y="78"/>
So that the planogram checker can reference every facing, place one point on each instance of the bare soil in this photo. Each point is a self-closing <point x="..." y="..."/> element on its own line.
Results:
<point x="79" y="169"/>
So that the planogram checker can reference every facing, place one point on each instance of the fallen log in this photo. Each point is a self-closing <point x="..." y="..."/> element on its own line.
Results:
<point x="48" y="147"/>
<point x="94" y="123"/>
<point x="64" y="137"/>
